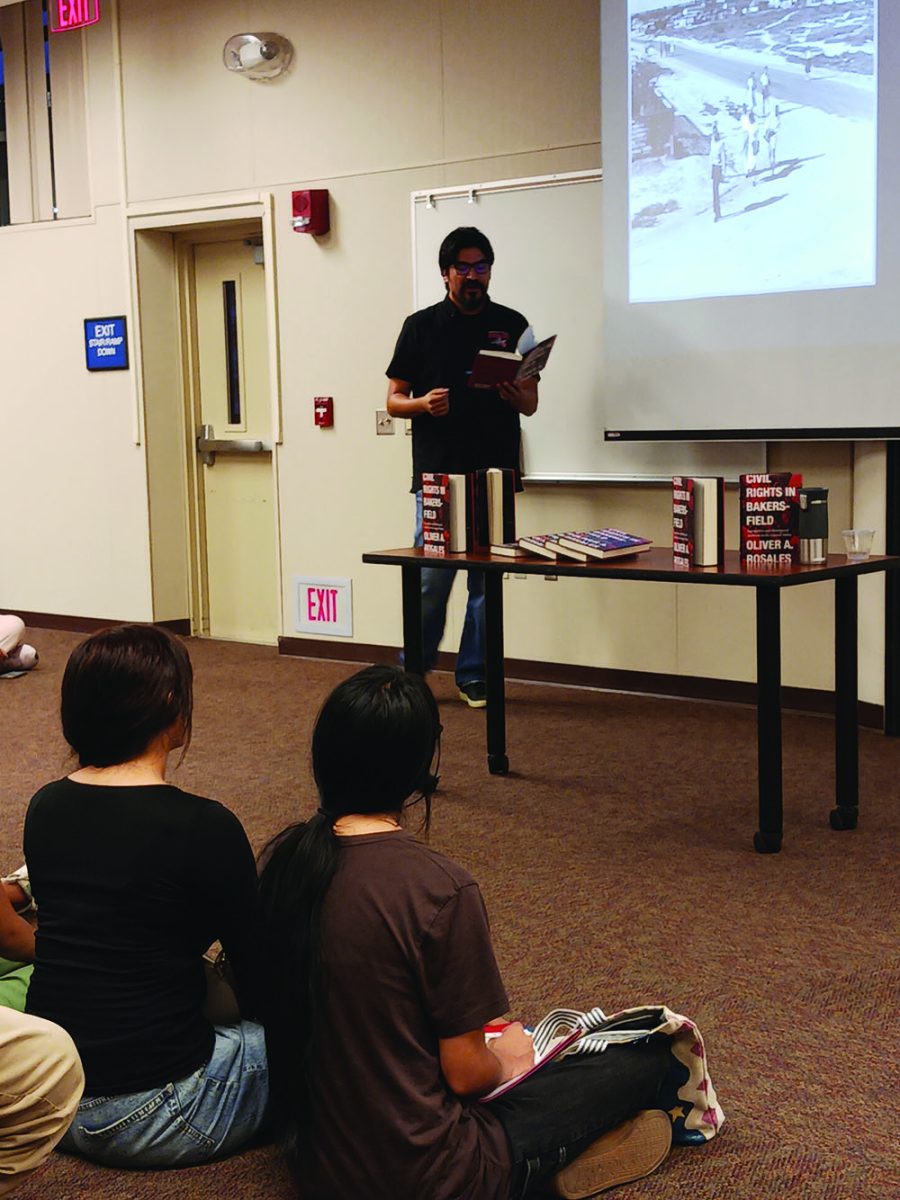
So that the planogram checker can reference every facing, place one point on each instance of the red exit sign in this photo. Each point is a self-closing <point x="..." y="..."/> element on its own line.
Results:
<point x="72" y="14"/>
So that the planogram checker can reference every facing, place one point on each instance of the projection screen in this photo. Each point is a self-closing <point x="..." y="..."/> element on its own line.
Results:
<point x="751" y="219"/>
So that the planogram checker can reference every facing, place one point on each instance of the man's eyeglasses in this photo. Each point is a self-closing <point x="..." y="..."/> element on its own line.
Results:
<point x="480" y="268"/>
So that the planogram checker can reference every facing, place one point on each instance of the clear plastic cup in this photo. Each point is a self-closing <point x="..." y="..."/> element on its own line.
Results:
<point x="858" y="543"/>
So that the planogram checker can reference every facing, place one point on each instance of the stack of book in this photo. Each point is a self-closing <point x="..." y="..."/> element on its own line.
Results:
<point x="580" y="546"/>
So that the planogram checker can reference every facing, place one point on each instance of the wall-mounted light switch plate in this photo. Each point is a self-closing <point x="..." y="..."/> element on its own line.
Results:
<point x="384" y="422"/>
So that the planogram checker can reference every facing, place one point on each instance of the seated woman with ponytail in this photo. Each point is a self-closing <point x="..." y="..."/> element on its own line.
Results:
<point x="382" y="979"/>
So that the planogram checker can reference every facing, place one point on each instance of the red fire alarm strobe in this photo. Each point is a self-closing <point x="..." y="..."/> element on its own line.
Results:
<point x="310" y="209"/>
<point x="324" y="410"/>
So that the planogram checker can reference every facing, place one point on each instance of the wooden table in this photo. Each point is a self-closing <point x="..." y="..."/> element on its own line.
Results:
<point x="657" y="566"/>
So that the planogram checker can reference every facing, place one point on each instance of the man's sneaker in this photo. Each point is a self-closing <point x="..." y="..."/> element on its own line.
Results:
<point x="628" y="1152"/>
<point x="474" y="693"/>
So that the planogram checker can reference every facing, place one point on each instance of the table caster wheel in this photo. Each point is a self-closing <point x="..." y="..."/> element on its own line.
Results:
<point x="764" y="844"/>
<point x="843" y="818"/>
<point x="498" y="764"/>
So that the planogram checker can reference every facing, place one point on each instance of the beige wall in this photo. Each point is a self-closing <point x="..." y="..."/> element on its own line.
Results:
<point x="375" y="87"/>
<point x="383" y="98"/>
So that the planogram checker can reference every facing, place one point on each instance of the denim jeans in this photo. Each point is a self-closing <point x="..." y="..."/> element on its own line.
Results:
<point x="436" y="587"/>
<point x="209" y="1114"/>
<point x="556" y="1114"/>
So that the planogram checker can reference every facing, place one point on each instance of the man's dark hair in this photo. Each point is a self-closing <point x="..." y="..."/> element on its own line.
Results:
<point x="466" y="237"/>
<point x="123" y="687"/>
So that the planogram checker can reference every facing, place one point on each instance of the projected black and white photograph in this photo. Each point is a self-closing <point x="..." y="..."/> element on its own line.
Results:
<point x="753" y="156"/>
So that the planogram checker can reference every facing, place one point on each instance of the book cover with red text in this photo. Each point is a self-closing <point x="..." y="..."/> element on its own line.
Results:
<point x="698" y="520"/>
<point x="770" y="514"/>
<point x="435" y="514"/>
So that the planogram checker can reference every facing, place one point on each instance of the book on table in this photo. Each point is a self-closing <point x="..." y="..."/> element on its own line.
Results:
<point x="492" y="367"/>
<point x="501" y="484"/>
<point x="444" y="514"/>
<point x="541" y="544"/>
<point x="461" y="515"/>
<point x="508" y="550"/>
<point x="549" y="545"/>
<point x="769" y="519"/>
<point x="605" y="543"/>
<point x="478" y="512"/>
<point x="563" y="551"/>
<point x="492" y="504"/>
<point x="698" y="520"/>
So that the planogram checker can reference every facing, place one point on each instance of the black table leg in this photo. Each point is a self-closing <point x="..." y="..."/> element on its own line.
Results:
<point x="498" y="763"/>
<point x="846" y="730"/>
<point x="768" y="719"/>
<point x="413" y="654"/>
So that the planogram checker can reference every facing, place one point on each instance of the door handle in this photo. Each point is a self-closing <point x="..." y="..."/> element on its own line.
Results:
<point x="208" y="446"/>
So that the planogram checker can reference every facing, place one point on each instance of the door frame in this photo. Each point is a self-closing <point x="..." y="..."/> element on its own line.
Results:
<point x="166" y="394"/>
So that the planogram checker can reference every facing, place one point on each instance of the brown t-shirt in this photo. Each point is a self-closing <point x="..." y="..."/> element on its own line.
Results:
<point x="408" y="960"/>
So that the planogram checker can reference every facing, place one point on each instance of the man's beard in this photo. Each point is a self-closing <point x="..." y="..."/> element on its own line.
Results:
<point x="472" y="295"/>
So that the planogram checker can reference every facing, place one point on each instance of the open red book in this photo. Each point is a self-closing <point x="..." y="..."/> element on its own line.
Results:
<point x="503" y="366"/>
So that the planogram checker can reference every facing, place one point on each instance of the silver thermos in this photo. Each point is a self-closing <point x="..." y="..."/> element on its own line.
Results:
<point x="813" y="524"/>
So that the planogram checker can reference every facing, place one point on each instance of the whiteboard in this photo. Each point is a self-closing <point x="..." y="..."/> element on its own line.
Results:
<point x="547" y="243"/>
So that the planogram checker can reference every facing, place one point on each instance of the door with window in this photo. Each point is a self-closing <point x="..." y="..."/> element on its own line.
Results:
<point x="236" y="501"/>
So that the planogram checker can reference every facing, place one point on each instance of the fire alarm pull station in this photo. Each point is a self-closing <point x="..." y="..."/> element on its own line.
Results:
<point x="310" y="211"/>
<point x="324" y="411"/>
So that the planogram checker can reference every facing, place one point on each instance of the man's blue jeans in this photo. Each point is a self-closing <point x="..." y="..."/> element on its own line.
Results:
<point x="436" y="587"/>
<point x="211" y="1113"/>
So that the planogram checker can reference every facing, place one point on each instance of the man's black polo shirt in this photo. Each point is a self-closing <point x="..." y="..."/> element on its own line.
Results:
<point x="436" y="348"/>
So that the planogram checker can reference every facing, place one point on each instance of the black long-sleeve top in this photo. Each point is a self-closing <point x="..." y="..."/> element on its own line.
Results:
<point x="132" y="885"/>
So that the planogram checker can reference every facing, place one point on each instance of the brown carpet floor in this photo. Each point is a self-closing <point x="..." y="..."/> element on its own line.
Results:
<point x="617" y="864"/>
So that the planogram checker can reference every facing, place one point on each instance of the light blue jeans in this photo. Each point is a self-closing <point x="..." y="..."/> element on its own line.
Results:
<point x="211" y="1113"/>
<point x="436" y="587"/>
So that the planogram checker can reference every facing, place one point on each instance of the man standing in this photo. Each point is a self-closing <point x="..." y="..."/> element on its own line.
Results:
<point x="764" y="90"/>
<point x="716" y="168"/>
<point x="457" y="429"/>
<point x="751" y="141"/>
<point x="751" y="91"/>
<point x="770" y="133"/>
